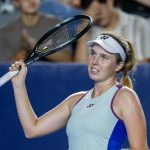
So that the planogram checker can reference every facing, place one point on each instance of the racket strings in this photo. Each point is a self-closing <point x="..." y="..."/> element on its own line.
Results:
<point x="65" y="34"/>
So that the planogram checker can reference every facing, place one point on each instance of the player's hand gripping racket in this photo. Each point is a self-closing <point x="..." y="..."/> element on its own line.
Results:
<point x="56" y="39"/>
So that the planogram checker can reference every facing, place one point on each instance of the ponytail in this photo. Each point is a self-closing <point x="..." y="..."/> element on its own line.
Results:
<point x="130" y="58"/>
<point x="129" y="65"/>
<point x="126" y="80"/>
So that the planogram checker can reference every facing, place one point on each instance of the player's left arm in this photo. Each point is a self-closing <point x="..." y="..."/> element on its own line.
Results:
<point x="134" y="119"/>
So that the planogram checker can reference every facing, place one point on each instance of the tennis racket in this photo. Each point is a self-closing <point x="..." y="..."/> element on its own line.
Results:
<point x="57" y="38"/>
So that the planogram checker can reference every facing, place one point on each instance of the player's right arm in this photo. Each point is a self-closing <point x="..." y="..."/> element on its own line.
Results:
<point x="49" y="122"/>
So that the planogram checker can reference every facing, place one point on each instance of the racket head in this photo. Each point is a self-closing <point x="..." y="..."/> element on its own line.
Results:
<point x="61" y="35"/>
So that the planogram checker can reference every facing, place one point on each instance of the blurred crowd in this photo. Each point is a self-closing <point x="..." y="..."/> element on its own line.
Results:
<point x="23" y="22"/>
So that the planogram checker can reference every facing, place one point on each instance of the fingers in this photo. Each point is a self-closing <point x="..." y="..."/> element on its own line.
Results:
<point x="17" y="65"/>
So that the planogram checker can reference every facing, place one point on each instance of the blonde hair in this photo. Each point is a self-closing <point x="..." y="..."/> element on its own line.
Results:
<point x="130" y="61"/>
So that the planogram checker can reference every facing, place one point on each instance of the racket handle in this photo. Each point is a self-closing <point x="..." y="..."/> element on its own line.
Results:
<point x="7" y="77"/>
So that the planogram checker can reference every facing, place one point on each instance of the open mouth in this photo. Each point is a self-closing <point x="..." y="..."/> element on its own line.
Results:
<point x="94" y="70"/>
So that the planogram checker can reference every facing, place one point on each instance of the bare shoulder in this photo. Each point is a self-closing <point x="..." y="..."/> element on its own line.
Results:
<point x="128" y="97"/>
<point x="74" y="98"/>
<point x="130" y="111"/>
<point x="126" y="92"/>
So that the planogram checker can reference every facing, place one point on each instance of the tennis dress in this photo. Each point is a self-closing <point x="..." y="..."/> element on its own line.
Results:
<point x="93" y="125"/>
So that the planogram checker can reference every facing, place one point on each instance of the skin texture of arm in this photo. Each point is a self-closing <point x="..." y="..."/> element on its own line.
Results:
<point x="47" y="123"/>
<point x="129" y="109"/>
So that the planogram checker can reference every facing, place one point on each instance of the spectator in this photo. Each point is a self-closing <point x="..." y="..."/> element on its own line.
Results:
<point x="8" y="12"/>
<point x="137" y="7"/>
<point x="109" y="18"/>
<point x="19" y="37"/>
<point x="144" y="2"/>
<point x="58" y="8"/>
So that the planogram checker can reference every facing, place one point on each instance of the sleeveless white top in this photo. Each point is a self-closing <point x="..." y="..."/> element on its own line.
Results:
<point x="93" y="125"/>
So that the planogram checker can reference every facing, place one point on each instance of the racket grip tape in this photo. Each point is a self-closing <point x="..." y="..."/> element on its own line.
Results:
<point x="7" y="77"/>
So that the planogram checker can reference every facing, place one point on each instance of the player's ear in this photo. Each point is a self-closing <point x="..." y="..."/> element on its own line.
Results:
<point x="119" y="66"/>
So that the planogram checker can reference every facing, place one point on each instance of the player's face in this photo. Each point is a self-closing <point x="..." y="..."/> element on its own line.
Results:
<point x="101" y="64"/>
<point x="29" y="6"/>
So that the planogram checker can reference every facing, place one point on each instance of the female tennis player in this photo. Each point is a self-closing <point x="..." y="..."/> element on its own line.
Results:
<point x="101" y="118"/>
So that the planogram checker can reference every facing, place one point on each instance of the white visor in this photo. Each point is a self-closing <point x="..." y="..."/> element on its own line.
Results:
<point x="109" y="44"/>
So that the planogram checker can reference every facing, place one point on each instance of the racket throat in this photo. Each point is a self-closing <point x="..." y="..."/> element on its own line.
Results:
<point x="29" y="61"/>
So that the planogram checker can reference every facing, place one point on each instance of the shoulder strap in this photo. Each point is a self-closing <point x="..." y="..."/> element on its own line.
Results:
<point x="80" y="98"/>
<point x="119" y="87"/>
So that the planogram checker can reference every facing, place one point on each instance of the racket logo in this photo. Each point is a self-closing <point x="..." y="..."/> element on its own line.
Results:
<point x="45" y="47"/>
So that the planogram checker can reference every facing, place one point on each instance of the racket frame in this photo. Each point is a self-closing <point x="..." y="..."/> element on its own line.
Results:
<point x="35" y="55"/>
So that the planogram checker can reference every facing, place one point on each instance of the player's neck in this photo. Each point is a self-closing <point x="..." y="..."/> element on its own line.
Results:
<point x="30" y="19"/>
<point x="101" y="87"/>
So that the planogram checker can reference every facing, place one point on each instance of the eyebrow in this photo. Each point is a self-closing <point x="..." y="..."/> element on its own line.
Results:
<point x="92" y="50"/>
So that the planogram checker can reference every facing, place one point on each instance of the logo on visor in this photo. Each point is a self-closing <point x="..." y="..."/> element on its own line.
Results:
<point x="104" y="37"/>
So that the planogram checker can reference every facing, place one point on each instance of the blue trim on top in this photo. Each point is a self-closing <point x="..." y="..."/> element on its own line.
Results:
<point x="117" y="137"/>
